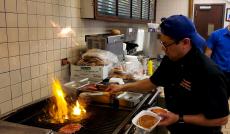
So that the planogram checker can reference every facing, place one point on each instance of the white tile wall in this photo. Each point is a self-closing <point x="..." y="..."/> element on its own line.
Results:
<point x="14" y="63"/>
<point x="11" y="20"/>
<point x="16" y="90"/>
<point x="15" y="77"/>
<point x="10" y="6"/>
<point x="25" y="61"/>
<point x="25" y="74"/>
<point x="24" y="47"/>
<point x="6" y="94"/>
<point x="13" y="49"/>
<point x="36" y="94"/>
<point x="34" y="71"/>
<point x="17" y="102"/>
<point x="22" y="20"/>
<point x="21" y="6"/>
<point x="3" y="35"/>
<point x="23" y="34"/>
<point x="31" y="49"/>
<point x="3" y="20"/>
<point x="3" y="50"/>
<point x="4" y="62"/>
<point x="26" y="87"/>
<point x="2" y="3"/>
<point x="6" y="106"/>
<point x="35" y="83"/>
<point x="27" y="98"/>
<point x="12" y="34"/>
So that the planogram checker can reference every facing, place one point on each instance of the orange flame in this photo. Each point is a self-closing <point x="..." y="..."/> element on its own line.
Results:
<point x="60" y="110"/>
<point x="78" y="109"/>
<point x="60" y="114"/>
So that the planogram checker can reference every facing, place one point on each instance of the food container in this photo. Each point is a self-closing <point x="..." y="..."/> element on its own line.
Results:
<point x="100" y="97"/>
<point x="157" y="110"/>
<point x="94" y="73"/>
<point x="72" y="86"/>
<point x="136" y="119"/>
<point x="129" y="99"/>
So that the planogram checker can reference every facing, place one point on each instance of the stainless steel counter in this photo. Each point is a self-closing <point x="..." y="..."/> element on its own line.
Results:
<point x="14" y="128"/>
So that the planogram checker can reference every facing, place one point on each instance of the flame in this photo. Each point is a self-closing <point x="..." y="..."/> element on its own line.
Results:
<point x="61" y="106"/>
<point x="60" y="111"/>
<point x="64" y="32"/>
<point x="78" y="109"/>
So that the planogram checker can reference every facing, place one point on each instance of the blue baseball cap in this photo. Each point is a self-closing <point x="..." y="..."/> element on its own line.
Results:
<point x="179" y="27"/>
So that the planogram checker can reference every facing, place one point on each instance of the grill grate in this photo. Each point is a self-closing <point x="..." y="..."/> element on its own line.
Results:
<point x="102" y="120"/>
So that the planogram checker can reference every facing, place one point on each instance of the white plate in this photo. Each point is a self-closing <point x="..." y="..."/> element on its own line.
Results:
<point x="144" y="112"/>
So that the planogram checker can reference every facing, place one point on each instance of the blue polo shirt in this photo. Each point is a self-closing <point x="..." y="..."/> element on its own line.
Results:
<point x="219" y="42"/>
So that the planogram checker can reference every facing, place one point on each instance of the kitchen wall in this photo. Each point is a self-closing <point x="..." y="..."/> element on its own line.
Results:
<point x="32" y="46"/>
<point x="214" y="2"/>
<point x="166" y="8"/>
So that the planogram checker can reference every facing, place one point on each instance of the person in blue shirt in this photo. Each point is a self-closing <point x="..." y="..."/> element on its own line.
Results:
<point x="218" y="49"/>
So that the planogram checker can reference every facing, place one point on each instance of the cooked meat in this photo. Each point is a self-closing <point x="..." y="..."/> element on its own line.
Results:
<point x="159" y="110"/>
<point x="124" y="76"/>
<point x="96" y="87"/>
<point x="70" y="128"/>
<point x="147" y="121"/>
<point x="91" y="87"/>
<point x="101" y="87"/>
<point x="91" y="61"/>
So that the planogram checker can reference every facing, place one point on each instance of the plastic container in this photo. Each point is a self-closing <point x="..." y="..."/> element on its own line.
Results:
<point x="130" y="58"/>
<point x="145" y="112"/>
<point x="116" y="80"/>
<point x="129" y="99"/>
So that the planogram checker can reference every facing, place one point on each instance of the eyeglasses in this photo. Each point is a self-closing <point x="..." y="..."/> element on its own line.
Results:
<point x="167" y="45"/>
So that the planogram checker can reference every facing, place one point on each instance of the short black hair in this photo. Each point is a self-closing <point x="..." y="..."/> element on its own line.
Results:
<point x="163" y="18"/>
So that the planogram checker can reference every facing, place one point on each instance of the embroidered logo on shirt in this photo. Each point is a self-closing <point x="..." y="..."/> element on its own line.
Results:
<point x="186" y="84"/>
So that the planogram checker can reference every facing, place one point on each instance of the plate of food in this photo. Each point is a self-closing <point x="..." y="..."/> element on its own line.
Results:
<point x="146" y="120"/>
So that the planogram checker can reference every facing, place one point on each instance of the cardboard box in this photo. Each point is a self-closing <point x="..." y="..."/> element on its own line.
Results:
<point x="94" y="73"/>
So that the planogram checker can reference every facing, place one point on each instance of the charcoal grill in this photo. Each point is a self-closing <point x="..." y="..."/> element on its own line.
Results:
<point x="103" y="119"/>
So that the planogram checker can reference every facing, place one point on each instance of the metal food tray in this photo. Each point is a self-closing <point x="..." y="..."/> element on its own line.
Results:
<point x="129" y="99"/>
<point x="73" y="86"/>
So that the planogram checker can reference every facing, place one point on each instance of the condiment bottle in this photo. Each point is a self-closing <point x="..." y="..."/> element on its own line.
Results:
<point x="150" y="67"/>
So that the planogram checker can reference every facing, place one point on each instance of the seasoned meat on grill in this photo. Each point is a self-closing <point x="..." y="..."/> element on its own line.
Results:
<point x="96" y="87"/>
<point x="70" y="128"/>
<point x="101" y="87"/>
<point x="91" y="87"/>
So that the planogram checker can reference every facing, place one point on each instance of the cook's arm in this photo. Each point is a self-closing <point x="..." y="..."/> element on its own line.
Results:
<point x="199" y="119"/>
<point x="141" y="85"/>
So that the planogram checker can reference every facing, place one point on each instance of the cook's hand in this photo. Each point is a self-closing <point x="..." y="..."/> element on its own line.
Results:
<point x="114" y="88"/>
<point x="168" y="118"/>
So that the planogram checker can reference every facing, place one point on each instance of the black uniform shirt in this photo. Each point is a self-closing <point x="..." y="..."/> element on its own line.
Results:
<point x="207" y="94"/>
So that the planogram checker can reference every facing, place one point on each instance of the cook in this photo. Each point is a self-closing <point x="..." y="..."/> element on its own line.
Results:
<point x="194" y="87"/>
